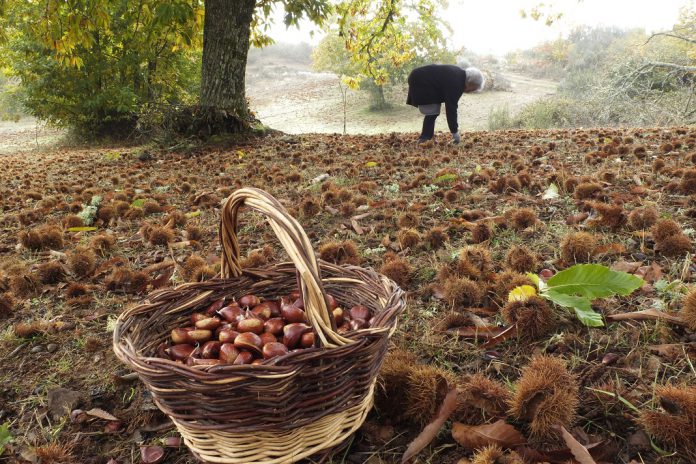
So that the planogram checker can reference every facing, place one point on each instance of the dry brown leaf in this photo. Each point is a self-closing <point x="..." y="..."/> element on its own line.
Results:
<point x="611" y="249"/>
<point x="626" y="266"/>
<point x="449" y="404"/>
<point x="673" y="351"/>
<point x="574" y="219"/>
<point x="507" y="333"/>
<point x="579" y="452"/>
<point x="476" y="436"/>
<point x="651" y="314"/>
<point x="162" y="279"/>
<point x="650" y="273"/>
<point x="356" y="227"/>
<point x="101" y="414"/>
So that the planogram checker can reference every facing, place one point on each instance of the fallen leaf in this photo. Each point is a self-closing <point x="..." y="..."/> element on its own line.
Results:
<point x="673" y="351"/>
<point x="574" y="219"/>
<point x="626" y="266"/>
<point x="158" y="266"/>
<point x="507" y="333"/>
<point x="579" y="452"/>
<point x="449" y="404"/>
<point x="650" y="274"/>
<point x="611" y="249"/>
<point x="551" y="193"/>
<point x="651" y="314"/>
<point x="162" y="279"/>
<point x="476" y="436"/>
<point x="356" y="227"/>
<point x="522" y="293"/>
<point x="101" y="414"/>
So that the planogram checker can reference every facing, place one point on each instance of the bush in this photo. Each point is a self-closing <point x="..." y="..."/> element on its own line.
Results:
<point x="547" y="113"/>
<point x="87" y="70"/>
<point x="499" y="118"/>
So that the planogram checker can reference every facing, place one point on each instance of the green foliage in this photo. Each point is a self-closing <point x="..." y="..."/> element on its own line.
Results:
<point x="578" y="285"/>
<point x="92" y="64"/>
<point x="5" y="436"/>
<point x="378" y="43"/>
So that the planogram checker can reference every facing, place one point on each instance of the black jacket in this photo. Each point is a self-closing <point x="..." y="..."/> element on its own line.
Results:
<point x="438" y="83"/>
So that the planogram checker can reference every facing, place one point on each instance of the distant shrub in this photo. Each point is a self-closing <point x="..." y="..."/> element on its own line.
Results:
<point x="547" y="113"/>
<point x="499" y="118"/>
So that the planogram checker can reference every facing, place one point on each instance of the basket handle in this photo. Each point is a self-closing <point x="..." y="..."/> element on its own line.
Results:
<point x="295" y="242"/>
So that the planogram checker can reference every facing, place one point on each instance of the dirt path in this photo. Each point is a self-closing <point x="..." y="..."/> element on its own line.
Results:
<point x="299" y="101"/>
<point x="27" y="134"/>
<point x="295" y="100"/>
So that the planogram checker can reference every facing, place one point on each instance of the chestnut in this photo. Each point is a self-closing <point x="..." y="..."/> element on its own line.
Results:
<point x="299" y="303"/>
<point x="295" y="294"/>
<point x="331" y="301"/>
<point x="274" y="326"/>
<point x="267" y="337"/>
<point x="251" y="324"/>
<point x="292" y="333"/>
<point x="228" y="353"/>
<point x="360" y="312"/>
<point x="209" y="323"/>
<point x="292" y="313"/>
<point x="307" y="340"/>
<point x="180" y="352"/>
<point x="180" y="335"/>
<point x="338" y="316"/>
<point x="200" y="335"/>
<point x="357" y="324"/>
<point x="215" y="306"/>
<point x="249" y="341"/>
<point x="249" y="301"/>
<point x="210" y="349"/>
<point x="257" y="361"/>
<point x="273" y="349"/>
<point x="274" y="306"/>
<point x="344" y="328"/>
<point x="244" y="358"/>
<point x="195" y="317"/>
<point x="227" y="335"/>
<point x="162" y="350"/>
<point x="232" y="313"/>
<point x="262" y="311"/>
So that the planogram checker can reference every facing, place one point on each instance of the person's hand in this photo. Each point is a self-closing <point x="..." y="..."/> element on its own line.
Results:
<point x="456" y="138"/>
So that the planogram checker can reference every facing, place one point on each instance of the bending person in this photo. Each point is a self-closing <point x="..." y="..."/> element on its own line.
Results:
<point x="432" y="85"/>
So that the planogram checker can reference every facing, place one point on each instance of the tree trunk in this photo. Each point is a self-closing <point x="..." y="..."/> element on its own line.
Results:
<point x="226" y="33"/>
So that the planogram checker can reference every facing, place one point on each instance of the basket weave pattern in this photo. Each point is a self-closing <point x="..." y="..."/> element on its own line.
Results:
<point x="290" y="407"/>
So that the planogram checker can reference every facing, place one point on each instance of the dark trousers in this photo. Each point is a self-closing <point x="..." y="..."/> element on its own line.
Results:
<point x="428" y="131"/>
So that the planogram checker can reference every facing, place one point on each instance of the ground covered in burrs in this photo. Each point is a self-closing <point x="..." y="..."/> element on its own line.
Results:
<point x="88" y="232"/>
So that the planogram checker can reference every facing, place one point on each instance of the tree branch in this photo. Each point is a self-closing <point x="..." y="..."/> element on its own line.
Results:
<point x="673" y="35"/>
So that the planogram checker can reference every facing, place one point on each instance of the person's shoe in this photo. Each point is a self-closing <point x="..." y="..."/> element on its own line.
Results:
<point x="422" y="140"/>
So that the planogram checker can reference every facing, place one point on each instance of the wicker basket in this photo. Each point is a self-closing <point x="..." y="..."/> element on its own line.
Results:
<point x="287" y="408"/>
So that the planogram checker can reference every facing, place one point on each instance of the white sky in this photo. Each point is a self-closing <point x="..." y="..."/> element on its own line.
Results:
<point x="495" y="26"/>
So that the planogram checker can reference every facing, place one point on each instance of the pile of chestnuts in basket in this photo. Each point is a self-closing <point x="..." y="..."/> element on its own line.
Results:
<point x="252" y="331"/>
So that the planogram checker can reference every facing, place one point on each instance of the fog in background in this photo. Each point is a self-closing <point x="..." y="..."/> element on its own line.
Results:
<point x="496" y="27"/>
